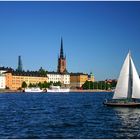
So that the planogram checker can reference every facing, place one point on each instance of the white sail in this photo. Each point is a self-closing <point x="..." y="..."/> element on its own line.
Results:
<point x="121" y="90"/>
<point x="136" y="82"/>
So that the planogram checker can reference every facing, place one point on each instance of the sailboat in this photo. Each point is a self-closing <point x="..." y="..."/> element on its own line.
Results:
<point x="127" y="92"/>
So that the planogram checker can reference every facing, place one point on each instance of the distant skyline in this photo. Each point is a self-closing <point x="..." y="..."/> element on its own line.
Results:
<point x="96" y="35"/>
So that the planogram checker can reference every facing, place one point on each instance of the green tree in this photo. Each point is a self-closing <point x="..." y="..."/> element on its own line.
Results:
<point x="109" y="86"/>
<point x="99" y="85"/>
<point x="24" y="85"/>
<point x="45" y="84"/>
<point x="113" y="83"/>
<point x="50" y="83"/>
<point x="40" y="85"/>
<point x="90" y="84"/>
<point x="106" y="85"/>
<point x="34" y="85"/>
<point x="95" y="85"/>
<point x="57" y="84"/>
<point x="103" y="85"/>
<point x="19" y="88"/>
<point x="30" y="85"/>
<point x="42" y="72"/>
<point x="85" y="85"/>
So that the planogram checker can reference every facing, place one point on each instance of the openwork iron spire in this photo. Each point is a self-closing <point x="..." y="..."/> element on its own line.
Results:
<point x="19" y="64"/>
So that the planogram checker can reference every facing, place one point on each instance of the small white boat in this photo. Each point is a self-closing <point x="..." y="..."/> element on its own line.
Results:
<point x="33" y="89"/>
<point x="57" y="89"/>
<point x="127" y="92"/>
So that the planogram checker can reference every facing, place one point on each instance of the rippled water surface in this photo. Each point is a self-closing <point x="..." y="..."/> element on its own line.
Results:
<point x="73" y="115"/>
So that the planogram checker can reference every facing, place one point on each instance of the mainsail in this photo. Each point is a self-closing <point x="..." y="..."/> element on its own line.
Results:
<point x="122" y="84"/>
<point x="128" y="85"/>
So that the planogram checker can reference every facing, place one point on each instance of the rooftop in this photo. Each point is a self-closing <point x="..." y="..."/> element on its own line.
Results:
<point x="6" y="68"/>
<point x="78" y="74"/>
<point x="27" y="73"/>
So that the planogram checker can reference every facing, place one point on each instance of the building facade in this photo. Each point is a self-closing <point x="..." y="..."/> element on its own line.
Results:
<point x="3" y="76"/>
<point x="61" y="68"/>
<point x="57" y="77"/>
<point x="91" y="77"/>
<point x="2" y="79"/>
<point x="78" y="79"/>
<point x="14" y="80"/>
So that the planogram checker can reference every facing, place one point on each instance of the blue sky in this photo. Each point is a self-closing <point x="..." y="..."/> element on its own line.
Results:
<point x="96" y="35"/>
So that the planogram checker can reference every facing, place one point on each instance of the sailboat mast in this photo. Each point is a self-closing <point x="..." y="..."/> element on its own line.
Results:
<point x="130" y="81"/>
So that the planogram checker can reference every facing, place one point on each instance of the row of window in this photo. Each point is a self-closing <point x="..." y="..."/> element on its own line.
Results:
<point x="56" y="80"/>
<point x="66" y="82"/>
<point x="23" y="79"/>
<point x="58" y="76"/>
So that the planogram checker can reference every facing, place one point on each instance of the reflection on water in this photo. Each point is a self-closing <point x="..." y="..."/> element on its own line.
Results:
<point x="130" y="120"/>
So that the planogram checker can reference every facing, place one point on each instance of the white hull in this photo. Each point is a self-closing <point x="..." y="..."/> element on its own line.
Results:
<point x="58" y="90"/>
<point x="33" y="90"/>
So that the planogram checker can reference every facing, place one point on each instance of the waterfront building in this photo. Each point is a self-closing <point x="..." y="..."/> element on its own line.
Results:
<point x="78" y="79"/>
<point x="2" y="79"/>
<point x="91" y="77"/>
<point x="57" y="77"/>
<point x="111" y="80"/>
<point x="14" y="79"/>
<point x="61" y="68"/>
<point x="19" y="64"/>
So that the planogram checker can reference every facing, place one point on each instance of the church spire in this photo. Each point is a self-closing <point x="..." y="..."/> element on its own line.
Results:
<point x="61" y="50"/>
<point x="61" y="68"/>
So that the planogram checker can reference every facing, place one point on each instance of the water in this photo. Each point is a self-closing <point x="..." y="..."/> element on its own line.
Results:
<point x="65" y="116"/>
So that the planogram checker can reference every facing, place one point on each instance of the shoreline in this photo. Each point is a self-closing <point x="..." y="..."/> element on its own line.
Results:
<point x="71" y="90"/>
<point x="93" y="90"/>
<point x="9" y="91"/>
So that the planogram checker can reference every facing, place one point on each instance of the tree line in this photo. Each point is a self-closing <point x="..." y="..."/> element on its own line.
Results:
<point x="41" y="85"/>
<point x="103" y="85"/>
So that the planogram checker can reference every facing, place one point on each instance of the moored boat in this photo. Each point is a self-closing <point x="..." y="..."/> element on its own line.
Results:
<point x="127" y="92"/>
<point x="33" y="89"/>
<point x="57" y="89"/>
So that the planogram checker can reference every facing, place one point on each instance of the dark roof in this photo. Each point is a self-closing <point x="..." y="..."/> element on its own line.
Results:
<point x="6" y="68"/>
<point x="27" y="73"/>
<point x="53" y="72"/>
<point x="78" y="74"/>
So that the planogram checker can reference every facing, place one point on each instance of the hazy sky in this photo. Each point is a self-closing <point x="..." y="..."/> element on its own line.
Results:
<point x="96" y="35"/>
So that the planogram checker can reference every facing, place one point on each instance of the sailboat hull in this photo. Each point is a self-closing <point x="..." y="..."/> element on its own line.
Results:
<point x="129" y="104"/>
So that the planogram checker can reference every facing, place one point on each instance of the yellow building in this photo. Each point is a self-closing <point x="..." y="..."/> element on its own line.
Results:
<point x="14" y="79"/>
<point x="91" y="77"/>
<point x="78" y="79"/>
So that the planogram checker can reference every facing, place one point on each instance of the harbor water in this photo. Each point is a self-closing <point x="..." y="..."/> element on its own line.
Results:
<point x="65" y="116"/>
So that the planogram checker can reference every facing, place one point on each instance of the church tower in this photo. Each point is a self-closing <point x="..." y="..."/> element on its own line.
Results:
<point x="61" y="61"/>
